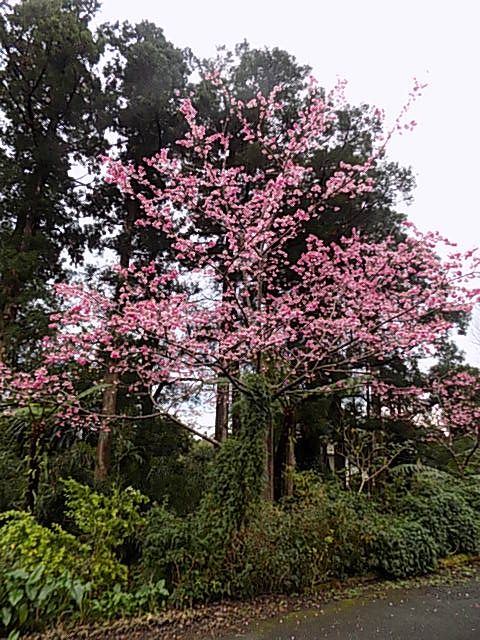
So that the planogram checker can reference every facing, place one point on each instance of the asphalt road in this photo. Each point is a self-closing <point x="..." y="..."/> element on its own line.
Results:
<point x="429" y="613"/>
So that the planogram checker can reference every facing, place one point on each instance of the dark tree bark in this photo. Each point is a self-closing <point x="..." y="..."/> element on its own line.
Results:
<point x="221" y="411"/>
<point x="33" y="467"/>
<point x="110" y="395"/>
<point x="104" y="444"/>
<point x="269" y="463"/>
<point x="289" y="464"/>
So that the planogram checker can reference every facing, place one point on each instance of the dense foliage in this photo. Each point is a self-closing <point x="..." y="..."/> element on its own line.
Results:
<point x="263" y="267"/>
<point x="318" y="534"/>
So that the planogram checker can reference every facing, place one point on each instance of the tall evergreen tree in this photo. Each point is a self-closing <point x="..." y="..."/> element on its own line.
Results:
<point x="142" y="75"/>
<point x="51" y="122"/>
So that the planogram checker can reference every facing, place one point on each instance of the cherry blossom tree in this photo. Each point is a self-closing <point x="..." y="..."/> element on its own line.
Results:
<point x="452" y="416"/>
<point x="230" y="299"/>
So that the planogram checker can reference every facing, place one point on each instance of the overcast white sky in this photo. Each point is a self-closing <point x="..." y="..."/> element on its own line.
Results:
<point x="378" y="46"/>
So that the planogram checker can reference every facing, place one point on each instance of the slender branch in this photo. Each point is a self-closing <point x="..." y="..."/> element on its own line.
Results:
<point x="161" y="414"/>
<point x="192" y="430"/>
<point x="471" y="453"/>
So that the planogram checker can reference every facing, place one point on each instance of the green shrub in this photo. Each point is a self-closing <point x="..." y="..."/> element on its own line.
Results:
<point x="470" y="491"/>
<point x="322" y="532"/>
<point x="12" y="475"/>
<point x="24" y="544"/>
<point x="175" y="463"/>
<point x="353" y="521"/>
<point x="190" y="558"/>
<point x="166" y="546"/>
<point x="403" y="548"/>
<point x="195" y="555"/>
<point x="278" y="552"/>
<point x="104" y="523"/>
<point x="448" y="508"/>
<point x="32" y="599"/>
<point x="116" y="603"/>
<point x="447" y="517"/>
<point x="281" y="551"/>
<point x="46" y="572"/>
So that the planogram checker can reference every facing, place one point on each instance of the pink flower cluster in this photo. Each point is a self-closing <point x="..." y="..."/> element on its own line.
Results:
<point x="232" y="298"/>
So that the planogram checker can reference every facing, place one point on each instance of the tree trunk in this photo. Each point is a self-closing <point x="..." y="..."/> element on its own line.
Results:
<point x="289" y="464"/>
<point x="104" y="445"/>
<point x="236" y="422"/>
<point x="8" y="314"/>
<point x="269" y="463"/>
<point x="110" y="395"/>
<point x="221" y="411"/>
<point x="33" y="468"/>
<point x="222" y="394"/>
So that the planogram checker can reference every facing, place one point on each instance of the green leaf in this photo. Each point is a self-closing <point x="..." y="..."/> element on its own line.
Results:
<point x="36" y="574"/>
<point x="15" y="596"/>
<point x="33" y="410"/>
<point x="78" y="591"/>
<point x="31" y="590"/>
<point x="45" y="591"/>
<point x="18" y="573"/>
<point x="23" y="613"/>
<point x="6" y="616"/>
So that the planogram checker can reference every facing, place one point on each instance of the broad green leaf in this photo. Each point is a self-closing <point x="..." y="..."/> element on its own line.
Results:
<point x="36" y="574"/>
<point x="45" y="591"/>
<point x="15" y="596"/>
<point x="6" y="616"/>
<point x="18" y="573"/>
<point x="23" y="613"/>
<point x="78" y="591"/>
<point x="31" y="590"/>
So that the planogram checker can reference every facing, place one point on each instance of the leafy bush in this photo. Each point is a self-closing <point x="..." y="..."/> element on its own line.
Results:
<point x="12" y="474"/>
<point x="448" y="508"/>
<point x="24" y="544"/>
<point x="104" y="522"/>
<point x="353" y="521"/>
<point x="403" y="548"/>
<point x="282" y="552"/>
<point x="278" y="552"/>
<point x="47" y="572"/>
<point x="32" y="599"/>
<point x="471" y="492"/>
<point x="148" y="598"/>
<point x="448" y="518"/>
<point x="195" y="554"/>
<point x="320" y="533"/>
<point x="166" y="546"/>
<point x="162" y="461"/>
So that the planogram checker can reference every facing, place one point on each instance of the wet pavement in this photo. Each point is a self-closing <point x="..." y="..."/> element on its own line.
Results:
<point x="428" y="613"/>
